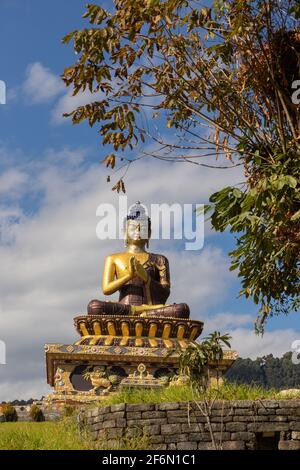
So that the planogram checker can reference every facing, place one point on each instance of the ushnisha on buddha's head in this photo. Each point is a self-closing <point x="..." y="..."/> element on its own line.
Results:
<point x="137" y="226"/>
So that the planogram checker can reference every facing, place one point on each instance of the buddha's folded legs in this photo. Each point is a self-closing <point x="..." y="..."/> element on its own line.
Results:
<point x="101" y="307"/>
<point x="173" y="310"/>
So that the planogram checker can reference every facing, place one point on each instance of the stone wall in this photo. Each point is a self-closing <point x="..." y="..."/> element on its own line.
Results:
<point x="235" y="425"/>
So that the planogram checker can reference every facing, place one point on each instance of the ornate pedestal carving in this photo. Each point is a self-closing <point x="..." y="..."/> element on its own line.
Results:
<point x="116" y="351"/>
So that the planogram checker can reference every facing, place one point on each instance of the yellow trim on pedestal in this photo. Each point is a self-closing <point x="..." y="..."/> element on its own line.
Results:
<point x="166" y="331"/>
<point x="180" y="332"/>
<point x="124" y="341"/>
<point x="83" y="329"/>
<point x="111" y="328"/>
<point x="152" y="330"/>
<point x="97" y="328"/>
<point x="109" y="341"/>
<point x="125" y="328"/>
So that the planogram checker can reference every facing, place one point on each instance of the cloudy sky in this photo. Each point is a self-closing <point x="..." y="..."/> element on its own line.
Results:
<point x="51" y="183"/>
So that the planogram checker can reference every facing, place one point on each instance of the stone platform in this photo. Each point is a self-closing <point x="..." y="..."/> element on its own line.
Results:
<point x="116" y="351"/>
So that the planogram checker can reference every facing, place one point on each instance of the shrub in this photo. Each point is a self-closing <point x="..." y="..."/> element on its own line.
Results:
<point x="69" y="410"/>
<point x="9" y="412"/>
<point x="36" y="414"/>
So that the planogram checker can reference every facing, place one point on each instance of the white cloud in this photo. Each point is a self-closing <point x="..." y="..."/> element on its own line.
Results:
<point x="41" y="85"/>
<point x="226" y="320"/>
<point x="275" y="342"/>
<point x="12" y="181"/>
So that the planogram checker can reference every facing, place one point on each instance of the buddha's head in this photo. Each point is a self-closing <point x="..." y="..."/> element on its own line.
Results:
<point x="137" y="226"/>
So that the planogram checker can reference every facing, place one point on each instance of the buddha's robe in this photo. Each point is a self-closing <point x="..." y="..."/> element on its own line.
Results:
<point x="136" y="292"/>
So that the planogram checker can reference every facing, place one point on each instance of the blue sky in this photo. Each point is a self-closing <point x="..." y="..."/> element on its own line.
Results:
<point x="51" y="183"/>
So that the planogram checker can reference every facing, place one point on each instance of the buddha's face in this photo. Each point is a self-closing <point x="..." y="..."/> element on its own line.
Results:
<point x="137" y="231"/>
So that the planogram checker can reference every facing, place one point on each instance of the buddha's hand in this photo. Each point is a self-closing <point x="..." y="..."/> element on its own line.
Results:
<point x="140" y="270"/>
<point x="131" y="267"/>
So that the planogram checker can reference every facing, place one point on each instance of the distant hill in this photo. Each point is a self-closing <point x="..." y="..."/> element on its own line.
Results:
<point x="268" y="371"/>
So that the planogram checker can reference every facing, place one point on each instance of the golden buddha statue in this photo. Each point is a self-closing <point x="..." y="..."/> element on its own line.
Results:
<point x="142" y="278"/>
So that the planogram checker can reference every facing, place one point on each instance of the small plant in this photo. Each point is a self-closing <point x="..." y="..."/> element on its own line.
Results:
<point x="68" y="411"/>
<point x="196" y="359"/>
<point x="36" y="414"/>
<point x="9" y="412"/>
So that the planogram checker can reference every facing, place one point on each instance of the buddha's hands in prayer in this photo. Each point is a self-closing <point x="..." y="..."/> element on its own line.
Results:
<point x="131" y="267"/>
<point x="135" y="268"/>
<point x="140" y="270"/>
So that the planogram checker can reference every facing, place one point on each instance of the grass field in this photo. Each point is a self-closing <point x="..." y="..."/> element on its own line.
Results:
<point x="60" y="435"/>
<point x="64" y="434"/>
<point x="173" y="394"/>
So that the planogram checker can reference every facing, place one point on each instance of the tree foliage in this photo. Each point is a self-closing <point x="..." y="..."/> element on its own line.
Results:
<point x="268" y="371"/>
<point x="223" y="79"/>
<point x="195" y="360"/>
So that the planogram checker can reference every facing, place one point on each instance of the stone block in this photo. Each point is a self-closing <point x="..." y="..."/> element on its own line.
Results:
<point x="167" y="406"/>
<point x="191" y="428"/>
<point x="187" y="446"/>
<point x="175" y="438"/>
<point x="269" y="403"/>
<point x="200" y="436"/>
<point x="153" y="414"/>
<point x="134" y="415"/>
<point x="121" y="423"/>
<point x="111" y="423"/>
<point x="234" y="427"/>
<point x="296" y="435"/>
<point x="222" y="436"/>
<point x="233" y="445"/>
<point x="243" y="412"/>
<point x="205" y="446"/>
<point x="104" y="409"/>
<point x="268" y="427"/>
<point x="220" y="419"/>
<point x="116" y="415"/>
<point x="118" y="407"/>
<point x="170" y="428"/>
<point x="156" y="439"/>
<point x="96" y="427"/>
<point x="242" y="436"/>
<point x="161" y="447"/>
<point x="177" y="419"/>
<point x="289" y="404"/>
<point x="151" y="430"/>
<point x="172" y="446"/>
<point x="289" y="445"/>
<point x="97" y="419"/>
<point x="294" y="425"/>
<point x="95" y="412"/>
<point x="140" y="407"/>
<point x="241" y="403"/>
<point x="278" y="419"/>
<point x="114" y="433"/>
<point x="178" y="413"/>
<point x="266" y="411"/>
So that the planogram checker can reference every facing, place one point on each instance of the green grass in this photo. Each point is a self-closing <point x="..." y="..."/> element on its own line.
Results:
<point x="59" y="435"/>
<point x="228" y="391"/>
<point x="64" y="435"/>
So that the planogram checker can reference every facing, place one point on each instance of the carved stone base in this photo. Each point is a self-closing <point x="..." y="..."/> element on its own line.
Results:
<point x="119" y="351"/>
